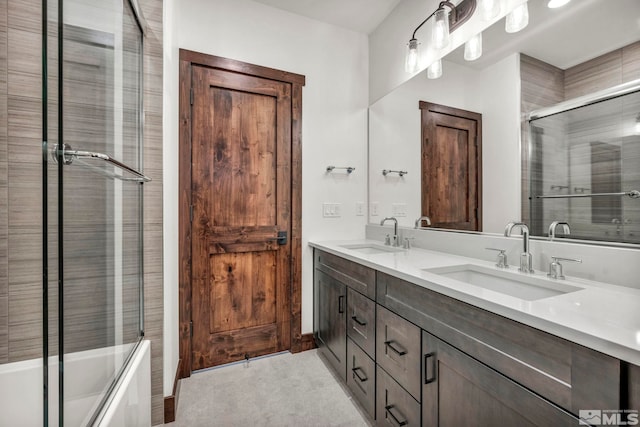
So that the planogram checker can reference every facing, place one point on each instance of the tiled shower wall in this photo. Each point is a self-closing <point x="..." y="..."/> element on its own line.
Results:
<point x="21" y="186"/>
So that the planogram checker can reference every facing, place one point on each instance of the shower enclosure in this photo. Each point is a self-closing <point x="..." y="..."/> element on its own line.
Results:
<point x="585" y="166"/>
<point x="71" y="294"/>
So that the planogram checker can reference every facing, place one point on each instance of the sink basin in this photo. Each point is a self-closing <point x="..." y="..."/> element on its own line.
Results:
<point x="528" y="288"/>
<point x="371" y="248"/>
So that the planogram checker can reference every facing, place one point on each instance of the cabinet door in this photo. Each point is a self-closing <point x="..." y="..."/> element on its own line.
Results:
<point x="398" y="349"/>
<point x="332" y="323"/>
<point x="460" y="391"/>
<point x="361" y="321"/>
<point x="361" y="377"/>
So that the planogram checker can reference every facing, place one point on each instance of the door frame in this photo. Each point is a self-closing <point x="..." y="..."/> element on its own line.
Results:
<point x="187" y="60"/>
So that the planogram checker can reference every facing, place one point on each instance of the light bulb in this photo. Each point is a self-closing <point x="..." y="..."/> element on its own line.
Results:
<point x="557" y="3"/>
<point x="473" y="48"/>
<point x="411" y="59"/>
<point x="435" y="70"/>
<point x="517" y="19"/>
<point x="489" y="9"/>
<point x="440" y="32"/>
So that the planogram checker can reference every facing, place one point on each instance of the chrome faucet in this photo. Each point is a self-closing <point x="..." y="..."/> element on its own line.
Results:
<point x="555" y="268"/>
<point x="419" y="222"/>
<point x="554" y="225"/>
<point x="395" y="230"/>
<point x="525" y="256"/>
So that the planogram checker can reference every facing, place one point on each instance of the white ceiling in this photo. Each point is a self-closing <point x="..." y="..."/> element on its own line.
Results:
<point x="362" y="16"/>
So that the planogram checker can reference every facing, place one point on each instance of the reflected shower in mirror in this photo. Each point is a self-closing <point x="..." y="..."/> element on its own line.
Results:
<point x="585" y="165"/>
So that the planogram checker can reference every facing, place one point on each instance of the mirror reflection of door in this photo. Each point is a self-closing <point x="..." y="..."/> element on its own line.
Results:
<point x="451" y="167"/>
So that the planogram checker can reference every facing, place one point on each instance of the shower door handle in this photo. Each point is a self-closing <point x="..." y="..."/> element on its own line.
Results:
<point x="69" y="154"/>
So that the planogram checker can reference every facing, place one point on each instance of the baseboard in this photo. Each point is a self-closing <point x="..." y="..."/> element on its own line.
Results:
<point x="171" y="402"/>
<point x="307" y="342"/>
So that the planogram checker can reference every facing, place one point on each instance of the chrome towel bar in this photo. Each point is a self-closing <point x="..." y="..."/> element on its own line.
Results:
<point x="634" y="194"/>
<point x="69" y="155"/>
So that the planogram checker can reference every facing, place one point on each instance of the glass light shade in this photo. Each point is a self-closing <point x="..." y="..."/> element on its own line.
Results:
<point x="473" y="48"/>
<point x="489" y="9"/>
<point x="412" y="57"/>
<point x="557" y="3"/>
<point x="435" y="70"/>
<point x="440" y="32"/>
<point x="518" y="19"/>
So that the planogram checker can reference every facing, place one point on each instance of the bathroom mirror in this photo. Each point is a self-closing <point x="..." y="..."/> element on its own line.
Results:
<point x="490" y="86"/>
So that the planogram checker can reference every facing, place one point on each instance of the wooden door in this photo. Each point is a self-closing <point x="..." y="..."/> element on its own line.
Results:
<point x="451" y="167"/>
<point x="241" y="200"/>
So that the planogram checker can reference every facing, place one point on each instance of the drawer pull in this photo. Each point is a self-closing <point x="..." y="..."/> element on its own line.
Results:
<point x="404" y="422"/>
<point x="399" y="352"/>
<point x="341" y="304"/>
<point x="356" y="375"/>
<point x="358" y="321"/>
<point x="428" y="356"/>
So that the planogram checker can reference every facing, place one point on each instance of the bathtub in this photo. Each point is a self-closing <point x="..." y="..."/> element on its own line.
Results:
<point x="129" y="404"/>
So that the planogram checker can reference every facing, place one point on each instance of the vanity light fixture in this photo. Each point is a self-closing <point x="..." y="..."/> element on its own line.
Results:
<point x="434" y="71"/>
<point x="557" y="3"/>
<point x="445" y="22"/>
<point x="473" y="48"/>
<point x="517" y="19"/>
<point x="489" y="9"/>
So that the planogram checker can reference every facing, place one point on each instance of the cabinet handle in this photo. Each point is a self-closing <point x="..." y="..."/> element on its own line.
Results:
<point x="404" y="422"/>
<point x="358" y="321"/>
<point x="355" y="374"/>
<point x="341" y="304"/>
<point x="399" y="352"/>
<point x="428" y="356"/>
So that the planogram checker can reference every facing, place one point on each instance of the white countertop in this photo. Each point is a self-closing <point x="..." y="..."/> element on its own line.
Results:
<point x="600" y="316"/>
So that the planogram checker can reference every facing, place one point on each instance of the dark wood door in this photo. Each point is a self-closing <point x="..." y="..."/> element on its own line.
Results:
<point x="451" y="167"/>
<point x="460" y="391"/>
<point x="332" y="320"/>
<point x="241" y="198"/>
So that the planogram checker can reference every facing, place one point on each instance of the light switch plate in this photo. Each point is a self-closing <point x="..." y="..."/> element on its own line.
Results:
<point x="331" y="210"/>
<point x="359" y="208"/>
<point x="375" y="208"/>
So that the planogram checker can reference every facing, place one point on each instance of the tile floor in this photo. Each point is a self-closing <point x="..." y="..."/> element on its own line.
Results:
<point x="280" y="390"/>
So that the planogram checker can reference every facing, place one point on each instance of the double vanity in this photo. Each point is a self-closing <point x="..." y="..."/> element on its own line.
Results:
<point x="428" y="338"/>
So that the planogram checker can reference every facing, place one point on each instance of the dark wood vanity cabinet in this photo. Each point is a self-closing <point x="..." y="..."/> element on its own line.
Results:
<point x="413" y="357"/>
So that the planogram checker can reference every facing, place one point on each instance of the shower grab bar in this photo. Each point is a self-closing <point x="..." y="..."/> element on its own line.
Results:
<point x="634" y="194"/>
<point x="68" y="154"/>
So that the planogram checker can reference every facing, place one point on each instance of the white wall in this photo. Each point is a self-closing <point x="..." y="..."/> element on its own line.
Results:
<point x="334" y="119"/>
<point x="394" y="138"/>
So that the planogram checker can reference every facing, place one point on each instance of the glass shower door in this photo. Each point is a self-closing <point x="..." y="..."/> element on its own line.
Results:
<point x="99" y="203"/>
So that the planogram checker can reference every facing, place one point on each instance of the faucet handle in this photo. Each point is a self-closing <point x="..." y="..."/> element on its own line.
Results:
<point x="387" y="240"/>
<point x="407" y="242"/>
<point x="555" y="268"/>
<point x="502" y="257"/>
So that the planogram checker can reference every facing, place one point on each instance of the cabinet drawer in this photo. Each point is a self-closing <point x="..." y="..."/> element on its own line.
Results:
<point x="354" y="275"/>
<point x="361" y="321"/>
<point x="398" y="349"/>
<point x="394" y="406"/>
<point x="361" y="377"/>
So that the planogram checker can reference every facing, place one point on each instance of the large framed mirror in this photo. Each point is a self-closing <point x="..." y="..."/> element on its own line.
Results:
<point x="582" y="48"/>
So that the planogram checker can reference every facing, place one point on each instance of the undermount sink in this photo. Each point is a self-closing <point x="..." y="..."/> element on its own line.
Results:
<point x="371" y="248"/>
<point x="522" y="286"/>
